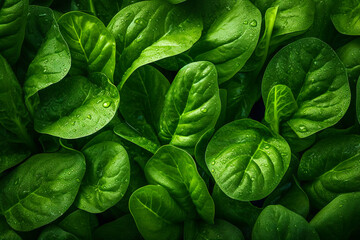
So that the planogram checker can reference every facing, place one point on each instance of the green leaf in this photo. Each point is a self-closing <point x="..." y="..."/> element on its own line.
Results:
<point x="142" y="99"/>
<point x="76" y="107"/>
<point x="332" y="167"/>
<point x="230" y="38"/>
<point x="14" y="117"/>
<point x="56" y="233"/>
<point x="91" y="45"/>
<point x="291" y="196"/>
<point x="243" y="91"/>
<point x="192" y="105"/>
<point x="12" y="28"/>
<point x="52" y="179"/>
<point x="103" y="9"/>
<point x="277" y="222"/>
<point x="175" y="170"/>
<point x="220" y="230"/>
<point x="258" y="58"/>
<point x="242" y="214"/>
<point x="345" y="17"/>
<point x="296" y="144"/>
<point x="79" y="223"/>
<point x="148" y="31"/>
<point x="200" y="149"/>
<point x="156" y="214"/>
<point x="293" y="17"/>
<point x="6" y="233"/>
<point x="52" y="61"/>
<point x="106" y="179"/>
<point x="338" y="219"/>
<point x="247" y="160"/>
<point x="148" y="142"/>
<point x="318" y="81"/>
<point x="280" y="105"/>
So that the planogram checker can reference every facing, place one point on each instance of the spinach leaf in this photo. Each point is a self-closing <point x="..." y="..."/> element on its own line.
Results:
<point x="103" y="9"/>
<point x="345" y="17"/>
<point x="331" y="167"/>
<point x="56" y="233"/>
<point x="318" y="81"/>
<point x="50" y="178"/>
<point x="106" y="179"/>
<point x="277" y="222"/>
<point x="192" y="105"/>
<point x="280" y="105"/>
<point x="339" y="218"/>
<point x="79" y="223"/>
<point x="247" y="160"/>
<point x="91" y="45"/>
<point x="14" y="117"/>
<point x="12" y="28"/>
<point x="156" y="214"/>
<point x="76" y="106"/>
<point x="52" y="61"/>
<point x="230" y="39"/>
<point x="6" y="233"/>
<point x="293" y="17"/>
<point x="175" y="170"/>
<point x="149" y="31"/>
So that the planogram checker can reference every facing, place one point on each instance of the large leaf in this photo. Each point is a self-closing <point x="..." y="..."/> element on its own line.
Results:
<point x="338" y="219"/>
<point x="142" y="98"/>
<point x="293" y="17"/>
<point x="247" y="160"/>
<point x="79" y="223"/>
<point x="175" y="170"/>
<point x="192" y="105"/>
<point x="14" y="117"/>
<point x="91" y="45"/>
<point x="6" y="233"/>
<point x="56" y="233"/>
<point x="52" y="179"/>
<point x="106" y="179"/>
<point x="149" y="31"/>
<point x="345" y="17"/>
<point x="12" y="27"/>
<point x="76" y="107"/>
<point x="52" y="61"/>
<point x="230" y="38"/>
<point x="278" y="223"/>
<point x="318" y="81"/>
<point x="332" y="167"/>
<point x="156" y="214"/>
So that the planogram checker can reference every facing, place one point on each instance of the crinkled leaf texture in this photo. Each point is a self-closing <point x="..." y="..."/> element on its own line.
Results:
<point x="106" y="179"/>
<point x="76" y="106"/>
<point x="176" y="171"/>
<point x="279" y="223"/>
<point x="152" y="30"/>
<point x="247" y="160"/>
<point x="91" y="45"/>
<point x="156" y="213"/>
<point x="192" y="105"/>
<point x="52" y="179"/>
<point x="13" y="15"/>
<point x="318" y="81"/>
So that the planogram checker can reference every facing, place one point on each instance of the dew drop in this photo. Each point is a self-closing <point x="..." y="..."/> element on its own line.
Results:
<point x="204" y="110"/>
<point x="212" y="163"/>
<point x="253" y="23"/>
<point x="302" y="128"/>
<point x="73" y="123"/>
<point x="106" y="104"/>
<point x="267" y="146"/>
<point x="140" y="21"/>
<point x="245" y="22"/>
<point x="89" y="116"/>
<point x="78" y="180"/>
<point x="212" y="170"/>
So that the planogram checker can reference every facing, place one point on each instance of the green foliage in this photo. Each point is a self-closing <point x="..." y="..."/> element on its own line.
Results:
<point x="179" y="119"/>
